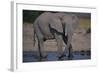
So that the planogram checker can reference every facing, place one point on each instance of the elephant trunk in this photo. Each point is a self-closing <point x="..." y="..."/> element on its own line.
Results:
<point x="65" y="37"/>
<point x="64" y="29"/>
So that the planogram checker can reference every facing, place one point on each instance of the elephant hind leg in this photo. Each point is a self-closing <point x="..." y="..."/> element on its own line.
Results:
<point x="42" y="54"/>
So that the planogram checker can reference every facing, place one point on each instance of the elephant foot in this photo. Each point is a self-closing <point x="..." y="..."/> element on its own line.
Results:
<point x="70" y="57"/>
<point x="43" y="58"/>
<point x="61" y="57"/>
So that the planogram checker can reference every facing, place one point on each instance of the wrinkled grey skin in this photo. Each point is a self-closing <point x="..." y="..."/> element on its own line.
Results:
<point x="59" y="26"/>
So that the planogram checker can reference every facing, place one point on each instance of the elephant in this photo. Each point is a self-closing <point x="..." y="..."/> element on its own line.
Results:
<point x="59" y="26"/>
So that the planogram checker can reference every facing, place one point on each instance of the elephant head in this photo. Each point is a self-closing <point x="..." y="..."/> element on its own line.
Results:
<point x="56" y="24"/>
<point x="70" y="23"/>
<point x="64" y="23"/>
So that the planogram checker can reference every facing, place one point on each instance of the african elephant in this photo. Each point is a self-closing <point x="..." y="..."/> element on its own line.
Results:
<point x="59" y="26"/>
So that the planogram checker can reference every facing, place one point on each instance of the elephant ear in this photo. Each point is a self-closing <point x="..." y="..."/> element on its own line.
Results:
<point x="56" y="24"/>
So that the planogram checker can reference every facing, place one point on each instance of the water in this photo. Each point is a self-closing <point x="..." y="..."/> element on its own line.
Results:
<point x="52" y="56"/>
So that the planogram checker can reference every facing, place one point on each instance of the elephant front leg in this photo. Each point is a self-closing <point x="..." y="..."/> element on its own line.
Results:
<point x="59" y="45"/>
<point x="68" y="47"/>
<point x="70" y="55"/>
<point x="42" y="54"/>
